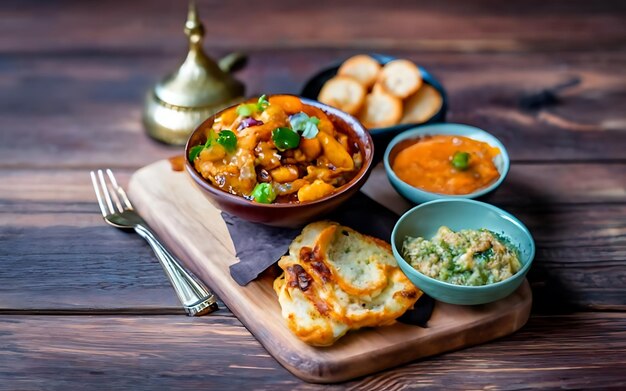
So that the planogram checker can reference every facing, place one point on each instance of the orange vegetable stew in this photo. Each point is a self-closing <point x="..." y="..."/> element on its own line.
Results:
<point x="277" y="150"/>
<point x="446" y="164"/>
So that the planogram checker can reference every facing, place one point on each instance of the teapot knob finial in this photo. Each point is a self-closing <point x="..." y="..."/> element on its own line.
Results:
<point x="193" y="26"/>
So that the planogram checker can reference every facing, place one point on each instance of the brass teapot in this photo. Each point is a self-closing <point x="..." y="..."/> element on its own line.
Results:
<point x="196" y="90"/>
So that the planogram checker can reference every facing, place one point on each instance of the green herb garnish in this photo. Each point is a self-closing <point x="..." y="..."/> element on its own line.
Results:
<point x="262" y="103"/>
<point x="228" y="140"/>
<point x="304" y="124"/>
<point x="460" y="160"/>
<point x="247" y="109"/>
<point x="195" y="151"/>
<point x="285" y="138"/>
<point x="263" y="193"/>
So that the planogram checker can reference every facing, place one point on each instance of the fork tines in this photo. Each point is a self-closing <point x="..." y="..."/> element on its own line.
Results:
<point x="109" y="193"/>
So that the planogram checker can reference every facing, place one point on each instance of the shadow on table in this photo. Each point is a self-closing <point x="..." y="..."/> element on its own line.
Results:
<point x="540" y="214"/>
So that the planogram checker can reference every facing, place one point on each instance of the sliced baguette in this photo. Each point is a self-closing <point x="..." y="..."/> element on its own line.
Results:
<point x="400" y="78"/>
<point x="380" y="110"/>
<point x="344" y="93"/>
<point x="422" y="105"/>
<point x="363" y="68"/>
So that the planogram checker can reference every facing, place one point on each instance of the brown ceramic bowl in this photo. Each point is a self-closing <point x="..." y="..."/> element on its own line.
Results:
<point x="287" y="215"/>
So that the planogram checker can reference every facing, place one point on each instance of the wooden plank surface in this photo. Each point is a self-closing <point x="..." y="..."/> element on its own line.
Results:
<point x="217" y="353"/>
<point x="583" y="270"/>
<point x="93" y="102"/>
<point x="50" y="212"/>
<point x="68" y="190"/>
<point x="73" y="75"/>
<point x="448" y="25"/>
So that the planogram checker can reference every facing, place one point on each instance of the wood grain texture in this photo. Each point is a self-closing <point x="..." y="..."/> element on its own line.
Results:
<point x="446" y="25"/>
<point x="51" y="226"/>
<point x="61" y="267"/>
<point x="90" y="114"/>
<point x="72" y="79"/>
<point x="576" y="351"/>
<point x="73" y="262"/>
<point x="194" y="230"/>
<point x="69" y="190"/>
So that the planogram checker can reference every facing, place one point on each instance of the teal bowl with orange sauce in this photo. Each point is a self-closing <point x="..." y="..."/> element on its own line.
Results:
<point x="501" y="161"/>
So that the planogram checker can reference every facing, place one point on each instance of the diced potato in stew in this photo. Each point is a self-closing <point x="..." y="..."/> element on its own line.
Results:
<point x="277" y="150"/>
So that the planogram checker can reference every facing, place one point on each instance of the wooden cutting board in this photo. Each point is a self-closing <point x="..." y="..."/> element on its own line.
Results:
<point x="193" y="229"/>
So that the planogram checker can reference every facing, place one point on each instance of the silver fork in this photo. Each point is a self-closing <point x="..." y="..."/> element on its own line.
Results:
<point x="118" y="212"/>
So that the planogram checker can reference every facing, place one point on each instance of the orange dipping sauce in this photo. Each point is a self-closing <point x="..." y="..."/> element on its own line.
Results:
<point x="426" y="163"/>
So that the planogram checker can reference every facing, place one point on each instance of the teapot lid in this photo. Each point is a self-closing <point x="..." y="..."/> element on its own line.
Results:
<point x="198" y="81"/>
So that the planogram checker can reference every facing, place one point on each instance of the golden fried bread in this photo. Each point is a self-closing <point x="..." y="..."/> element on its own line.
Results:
<point x="349" y="262"/>
<point x="422" y="105"/>
<point x="336" y="279"/>
<point x="392" y="94"/>
<point x="344" y="93"/>
<point x="400" y="78"/>
<point x="361" y="67"/>
<point x="303" y="319"/>
<point x="380" y="110"/>
<point x="377" y="88"/>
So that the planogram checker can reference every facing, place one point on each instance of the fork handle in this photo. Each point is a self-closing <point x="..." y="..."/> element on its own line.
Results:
<point x="195" y="297"/>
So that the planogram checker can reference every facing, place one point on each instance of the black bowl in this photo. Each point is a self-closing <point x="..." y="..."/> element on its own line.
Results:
<point x="381" y="136"/>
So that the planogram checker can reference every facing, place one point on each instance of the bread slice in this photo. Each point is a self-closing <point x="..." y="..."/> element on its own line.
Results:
<point x="377" y="88"/>
<point x="400" y="78"/>
<point x="336" y="279"/>
<point x="361" y="67"/>
<point x="380" y="110"/>
<point x="422" y="105"/>
<point x="344" y="93"/>
<point x="304" y="319"/>
<point x="358" y="262"/>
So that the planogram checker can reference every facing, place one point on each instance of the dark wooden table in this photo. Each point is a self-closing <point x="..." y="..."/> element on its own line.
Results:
<point x="85" y="306"/>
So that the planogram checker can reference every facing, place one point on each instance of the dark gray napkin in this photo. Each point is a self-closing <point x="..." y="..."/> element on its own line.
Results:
<point x="259" y="247"/>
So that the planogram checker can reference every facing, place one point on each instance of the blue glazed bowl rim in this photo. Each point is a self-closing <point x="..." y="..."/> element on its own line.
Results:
<point x="431" y="129"/>
<point x="500" y="212"/>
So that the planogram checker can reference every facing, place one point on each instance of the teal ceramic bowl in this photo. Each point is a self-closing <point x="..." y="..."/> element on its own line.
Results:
<point x="416" y="195"/>
<point x="424" y="221"/>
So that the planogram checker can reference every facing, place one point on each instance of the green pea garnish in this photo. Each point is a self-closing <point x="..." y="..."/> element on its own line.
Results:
<point x="246" y="109"/>
<point x="285" y="138"/>
<point x="460" y="160"/>
<point x="263" y="193"/>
